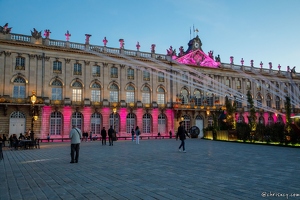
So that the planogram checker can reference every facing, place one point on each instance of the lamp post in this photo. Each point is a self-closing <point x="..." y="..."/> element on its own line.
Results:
<point x="114" y="117"/>
<point x="33" y="116"/>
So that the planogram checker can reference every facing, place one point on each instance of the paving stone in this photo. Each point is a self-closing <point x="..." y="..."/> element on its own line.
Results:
<point x="154" y="169"/>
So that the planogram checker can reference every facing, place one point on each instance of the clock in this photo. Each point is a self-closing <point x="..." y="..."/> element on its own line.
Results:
<point x="196" y="45"/>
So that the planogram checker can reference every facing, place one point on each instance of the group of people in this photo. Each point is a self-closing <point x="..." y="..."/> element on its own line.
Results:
<point x="76" y="136"/>
<point x="137" y="134"/>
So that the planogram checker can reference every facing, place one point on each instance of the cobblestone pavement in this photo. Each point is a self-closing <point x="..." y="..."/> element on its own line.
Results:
<point x="154" y="169"/>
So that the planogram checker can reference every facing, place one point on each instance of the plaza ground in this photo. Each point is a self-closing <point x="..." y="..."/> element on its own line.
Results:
<point x="154" y="169"/>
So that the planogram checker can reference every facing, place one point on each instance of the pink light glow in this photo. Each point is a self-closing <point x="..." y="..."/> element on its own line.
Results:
<point x="198" y="58"/>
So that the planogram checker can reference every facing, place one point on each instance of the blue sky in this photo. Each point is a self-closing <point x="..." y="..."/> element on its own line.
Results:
<point x="262" y="30"/>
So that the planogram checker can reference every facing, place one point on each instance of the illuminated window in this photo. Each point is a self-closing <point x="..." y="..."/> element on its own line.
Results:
<point x="160" y="96"/>
<point x="147" y="123"/>
<point x="146" y="95"/>
<point x="184" y="96"/>
<point x="56" y="123"/>
<point x="77" y="120"/>
<point x="56" y="90"/>
<point x="19" y="88"/>
<point x="187" y="122"/>
<point x="96" y="123"/>
<point x="77" y="91"/>
<point x="162" y="123"/>
<point x="114" y="121"/>
<point x="114" y="93"/>
<point x="130" y="122"/>
<point x="130" y="94"/>
<point x="238" y="84"/>
<point x="96" y="92"/>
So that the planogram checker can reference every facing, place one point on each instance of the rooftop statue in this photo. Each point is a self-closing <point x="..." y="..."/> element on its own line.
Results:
<point x="4" y="29"/>
<point x="37" y="35"/>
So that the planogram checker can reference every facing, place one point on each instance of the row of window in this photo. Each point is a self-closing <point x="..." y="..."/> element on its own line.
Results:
<point x="56" y="122"/>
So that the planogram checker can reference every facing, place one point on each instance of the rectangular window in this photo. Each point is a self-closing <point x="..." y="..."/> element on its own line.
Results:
<point x="56" y="93"/>
<point x="95" y="95"/>
<point x="114" y="72"/>
<point x="146" y="76"/>
<point x="57" y="67"/>
<point x="20" y="63"/>
<point x="96" y="71"/>
<point x="248" y="85"/>
<point x="19" y="91"/>
<point x="130" y="97"/>
<point x="161" y="77"/>
<point x="76" y="95"/>
<point x="238" y="84"/>
<point x="77" y="69"/>
<point x="277" y="104"/>
<point x="130" y="74"/>
<point x="55" y="126"/>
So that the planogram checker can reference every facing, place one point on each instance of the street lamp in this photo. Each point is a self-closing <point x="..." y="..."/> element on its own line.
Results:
<point x="33" y="116"/>
<point x="114" y="115"/>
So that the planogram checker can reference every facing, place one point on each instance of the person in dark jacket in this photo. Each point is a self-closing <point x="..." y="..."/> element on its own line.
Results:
<point x="181" y="133"/>
<point x="111" y="132"/>
<point x="103" y="135"/>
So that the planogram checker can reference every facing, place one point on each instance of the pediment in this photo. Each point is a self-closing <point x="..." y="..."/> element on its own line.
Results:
<point x="198" y="58"/>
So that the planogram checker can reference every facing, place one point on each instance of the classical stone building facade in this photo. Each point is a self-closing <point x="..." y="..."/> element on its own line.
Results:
<point x="93" y="86"/>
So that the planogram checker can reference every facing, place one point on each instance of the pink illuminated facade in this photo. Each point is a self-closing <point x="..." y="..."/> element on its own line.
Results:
<point x="95" y="86"/>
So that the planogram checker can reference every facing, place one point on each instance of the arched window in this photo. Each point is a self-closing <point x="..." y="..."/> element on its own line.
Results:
<point x="270" y="120"/>
<point x="261" y="120"/>
<point x="198" y="98"/>
<point x="146" y="95"/>
<point x="96" y="92"/>
<point x="130" y="122"/>
<point x="77" y="120"/>
<point x="56" y="123"/>
<point x="96" y="123"/>
<point x="130" y="74"/>
<point x="19" y="87"/>
<point x="259" y="100"/>
<point x="187" y="122"/>
<point x="279" y="119"/>
<point x="114" y="93"/>
<point x="114" y="121"/>
<point x="130" y="94"/>
<point x="184" y="96"/>
<point x="162" y="123"/>
<point x="56" y="90"/>
<point x="240" y="119"/>
<point x="160" y="95"/>
<point x="147" y="123"/>
<point x="269" y="101"/>
<point x="277" y="103"/>
<point x="76" y="91"/>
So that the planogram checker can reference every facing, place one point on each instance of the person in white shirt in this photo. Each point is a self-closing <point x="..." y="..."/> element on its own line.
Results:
<point x="75" y="135"/>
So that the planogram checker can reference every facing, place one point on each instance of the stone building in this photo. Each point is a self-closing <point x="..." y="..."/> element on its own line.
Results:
<point x="92" y="86"/>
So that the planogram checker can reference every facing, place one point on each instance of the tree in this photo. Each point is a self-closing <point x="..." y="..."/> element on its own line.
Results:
<point x="230" y="111"/>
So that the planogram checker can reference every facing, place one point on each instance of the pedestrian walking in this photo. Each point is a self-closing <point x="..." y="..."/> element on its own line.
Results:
<point x="48" y="137"/>
<point x="4" y="140"/>
<point x="137" y="135"/>
<point x="75" y="135"/>
<point x="103" y="135"/>
<point x="170" y="133"/>
<point x="111" y="133"/>
<point x="132" y="135"/>
<point x="181" y="133"/>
